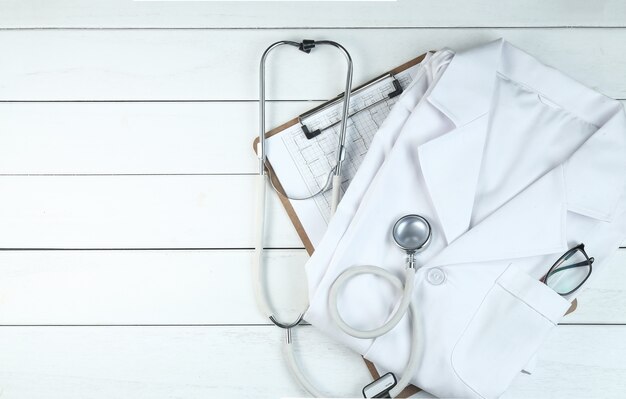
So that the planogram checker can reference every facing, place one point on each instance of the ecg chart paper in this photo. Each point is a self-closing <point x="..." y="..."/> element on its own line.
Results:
<point x="302" y="165"/>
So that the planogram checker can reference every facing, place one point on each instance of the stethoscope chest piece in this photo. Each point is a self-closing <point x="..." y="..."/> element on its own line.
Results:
<point x="412" y="233"/>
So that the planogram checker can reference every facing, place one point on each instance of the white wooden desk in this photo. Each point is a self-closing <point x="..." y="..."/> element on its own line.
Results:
<point x="126" y="188"/>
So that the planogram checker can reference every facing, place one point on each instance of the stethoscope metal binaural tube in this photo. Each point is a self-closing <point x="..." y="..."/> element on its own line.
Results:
<point x="306" y="46"/>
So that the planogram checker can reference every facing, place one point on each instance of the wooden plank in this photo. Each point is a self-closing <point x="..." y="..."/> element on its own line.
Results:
<point x="195" y="287"/>
<point x="134" y="138"/>
<point x="144" y="287"/>
<point x="223" y="65"/>
<point x="215" y="211"/>
<point x="164" y="362"/>
<point x="201" y="362"/>
<point x="400" y="13"/>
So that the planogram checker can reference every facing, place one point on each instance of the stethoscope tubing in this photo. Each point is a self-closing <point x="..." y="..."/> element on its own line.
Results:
<point x="342" y="279"/>
<point x="415" y="351"/>
<point x="261" y="190"/>
<point x="305" y="46"/>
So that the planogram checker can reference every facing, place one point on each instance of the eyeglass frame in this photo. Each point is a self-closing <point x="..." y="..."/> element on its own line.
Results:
<point x="570" y="252"/>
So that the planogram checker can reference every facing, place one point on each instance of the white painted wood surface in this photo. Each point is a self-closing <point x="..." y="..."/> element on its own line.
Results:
<point x="206" y="211"/>
<point x="399" y="13"/>
<point x="227" y="361"/>
<point x="134" y="138"/>
<point x="124" y="271"/>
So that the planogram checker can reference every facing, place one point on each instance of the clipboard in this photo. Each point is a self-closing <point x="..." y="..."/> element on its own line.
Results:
<point x="410" y="390"/>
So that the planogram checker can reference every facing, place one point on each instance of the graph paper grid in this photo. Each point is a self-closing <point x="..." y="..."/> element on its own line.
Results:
<point x="314" y="158"/>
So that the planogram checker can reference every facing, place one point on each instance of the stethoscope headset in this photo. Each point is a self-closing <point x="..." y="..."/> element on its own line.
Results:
<point x="411" y="233"/>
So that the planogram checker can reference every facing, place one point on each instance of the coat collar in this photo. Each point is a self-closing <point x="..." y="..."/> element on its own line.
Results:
<point x="532" y="222"/>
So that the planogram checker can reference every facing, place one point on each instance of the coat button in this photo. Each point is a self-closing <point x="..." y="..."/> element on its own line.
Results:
<point x="436" y="276"/>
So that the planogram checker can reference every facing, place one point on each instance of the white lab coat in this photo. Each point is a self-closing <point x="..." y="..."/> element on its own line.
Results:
<point x="513" y="163"/>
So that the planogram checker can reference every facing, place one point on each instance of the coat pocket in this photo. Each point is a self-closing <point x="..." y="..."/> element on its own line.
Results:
<point x="511" y="323"/>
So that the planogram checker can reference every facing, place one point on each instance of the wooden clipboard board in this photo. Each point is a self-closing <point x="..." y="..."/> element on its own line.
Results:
<point x="411" y="389"/>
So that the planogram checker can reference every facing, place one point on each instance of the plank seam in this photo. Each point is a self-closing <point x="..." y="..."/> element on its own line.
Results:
<point x="165" y="249"/>
<point x="177" y="101"/>
<point x="165" y="101"/>
<point x="242" y="325"/>
<point x="279" y="28"/>
<point x="153" y="249"/>
<point x="122" y="174"/>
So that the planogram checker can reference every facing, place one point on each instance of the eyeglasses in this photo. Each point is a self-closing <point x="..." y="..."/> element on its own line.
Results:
<point x="570" y="271"/>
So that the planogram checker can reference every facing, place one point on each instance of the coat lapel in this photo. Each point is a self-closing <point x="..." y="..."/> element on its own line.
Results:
<point x="451" y="163"/>
<point x="450" y="166"/>
<point x="577" y="165"/>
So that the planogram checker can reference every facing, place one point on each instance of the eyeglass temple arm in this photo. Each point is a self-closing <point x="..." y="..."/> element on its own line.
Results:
<point x="579" y="264"/>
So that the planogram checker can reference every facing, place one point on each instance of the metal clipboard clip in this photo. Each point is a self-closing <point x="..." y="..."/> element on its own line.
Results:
<point x="397" y="90"/>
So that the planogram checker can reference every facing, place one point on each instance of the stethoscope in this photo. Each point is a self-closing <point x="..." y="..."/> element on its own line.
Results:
<point x="412" y="233"/>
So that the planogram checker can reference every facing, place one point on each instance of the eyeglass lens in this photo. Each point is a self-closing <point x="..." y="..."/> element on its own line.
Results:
<point x="569" y="273"/>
